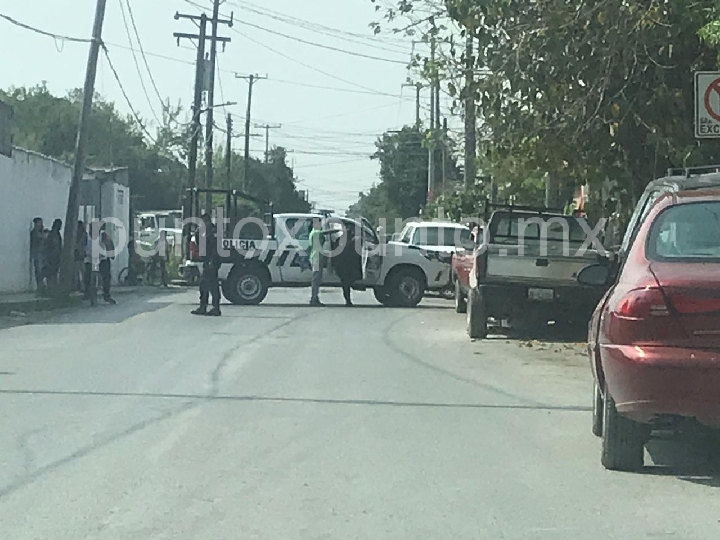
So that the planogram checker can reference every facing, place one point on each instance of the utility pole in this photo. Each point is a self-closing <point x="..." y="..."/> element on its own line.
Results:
<point x="228" y="149"/>
<point x="252" y="79"/>
<point x="470" y="118"/>
<point x="267" y="128"/>
<point x="197" y="98"/>
<point x="444" y="154"/>
<point x="206" y="69"/>
<point x="431" y="147"/>
<point x="71" y="215"/>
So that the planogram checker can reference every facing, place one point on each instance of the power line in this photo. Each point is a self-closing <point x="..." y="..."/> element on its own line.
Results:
<point x="309" y="25"/>
<point x="273" y="80"/>
<point x="44" y="32"/>
<point x="313" y="68"/>
<point x="124" y="93"/>
<point x="385" y="106"/>
<point x="144" y="57"/>
<point x="326" y="47"/>
<point x="137" y="64"/>
<point x="308" y="42"/>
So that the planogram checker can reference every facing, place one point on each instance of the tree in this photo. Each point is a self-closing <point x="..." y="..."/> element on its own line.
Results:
<point x="48" y="124"/>
<point x="402" y="192"/>
<point x="584" y="91"/>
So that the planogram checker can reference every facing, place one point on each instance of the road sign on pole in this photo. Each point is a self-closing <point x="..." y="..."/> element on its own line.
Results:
<point x="707" y="105"/>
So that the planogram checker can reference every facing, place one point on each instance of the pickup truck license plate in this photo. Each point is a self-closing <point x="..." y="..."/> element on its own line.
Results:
<point x="542" y="295"/>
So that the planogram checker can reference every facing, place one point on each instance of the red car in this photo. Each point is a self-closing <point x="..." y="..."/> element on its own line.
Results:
<point x="654" y="339"/>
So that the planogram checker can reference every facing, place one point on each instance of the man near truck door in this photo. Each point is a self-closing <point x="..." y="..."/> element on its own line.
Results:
<point x="209" y="282"/>
<point x="315" y="242"/>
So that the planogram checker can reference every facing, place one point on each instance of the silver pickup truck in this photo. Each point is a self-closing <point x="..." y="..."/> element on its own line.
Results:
<point x="525" y="271"/>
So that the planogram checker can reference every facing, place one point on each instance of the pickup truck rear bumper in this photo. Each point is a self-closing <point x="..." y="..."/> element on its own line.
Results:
<point x="507" y="301"/>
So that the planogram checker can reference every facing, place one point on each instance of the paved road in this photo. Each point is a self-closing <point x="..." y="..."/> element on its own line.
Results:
<point x="289" y="422"/>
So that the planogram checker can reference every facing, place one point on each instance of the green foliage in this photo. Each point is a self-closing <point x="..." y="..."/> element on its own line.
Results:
<point x="48" y="124"/>
<point x="466" y="203"/>
<point x="402" y="192"/>
<point x="585" y="91"/>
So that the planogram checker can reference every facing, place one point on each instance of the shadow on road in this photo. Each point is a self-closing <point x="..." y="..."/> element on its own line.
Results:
<point x="128" y="306"/>
<point x="692" y="458"/>
<point x="280" y="399"/>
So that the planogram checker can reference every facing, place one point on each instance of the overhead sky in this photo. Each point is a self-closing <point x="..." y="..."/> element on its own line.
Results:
<point x="332" y="105"/>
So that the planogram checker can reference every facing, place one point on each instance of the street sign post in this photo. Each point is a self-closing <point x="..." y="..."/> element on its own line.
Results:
<point x="707" y="105"/>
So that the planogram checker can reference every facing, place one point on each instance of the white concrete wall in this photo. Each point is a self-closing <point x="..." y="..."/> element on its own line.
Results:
<point x="31" y="186"/>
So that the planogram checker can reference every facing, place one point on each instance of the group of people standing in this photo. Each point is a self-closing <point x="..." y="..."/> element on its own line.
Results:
<point x="94" y="251"/>
<point x="45" y="252"/>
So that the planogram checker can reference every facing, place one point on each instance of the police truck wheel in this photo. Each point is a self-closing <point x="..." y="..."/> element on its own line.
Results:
<point x="245" y="287"/>
<point x="476" y="315"/>
<point x="460" y="299"/>
<point x="407" y="288"/>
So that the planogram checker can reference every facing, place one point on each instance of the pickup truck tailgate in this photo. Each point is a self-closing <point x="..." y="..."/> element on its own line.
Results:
<point x="505" y="263"/>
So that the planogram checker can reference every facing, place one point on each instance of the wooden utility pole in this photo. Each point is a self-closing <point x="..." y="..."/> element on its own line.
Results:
<point x="67" y="273"/>
<point x="228" y="150"/>
<point x="197" y="96"/>
<point x="433" y="120"/>
<point x="470" y="118"/>
<point x="267" y="128"/>
<point x="252" y="79"/>
<point x="204" y="74"/>
<point x="210" y="117"/>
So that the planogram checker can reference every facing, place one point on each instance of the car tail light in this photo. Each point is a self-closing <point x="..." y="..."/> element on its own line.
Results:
<point x="643" y="317"/>
<point x="640" y="304"/>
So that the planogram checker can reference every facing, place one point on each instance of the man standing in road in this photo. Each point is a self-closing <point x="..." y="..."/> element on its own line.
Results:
<point x="209" y="282"/>
<point x="315" y="243"/>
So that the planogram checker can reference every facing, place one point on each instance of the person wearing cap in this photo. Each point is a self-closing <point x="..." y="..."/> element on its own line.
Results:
<point x="209" y="281"/>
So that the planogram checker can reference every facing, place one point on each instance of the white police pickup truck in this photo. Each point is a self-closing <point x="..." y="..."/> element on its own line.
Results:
<point x="251" y="266"/>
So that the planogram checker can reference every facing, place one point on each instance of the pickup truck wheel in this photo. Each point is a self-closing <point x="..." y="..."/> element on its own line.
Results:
<point x="597" y="412"/>
<point x="407" y="288"/>
<point x="623" y="440"/>
<point x="382" y="296"/>
<point x="476" y="315"/>
<point x="460" y="298"/>
<point x="245" y="287"/>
